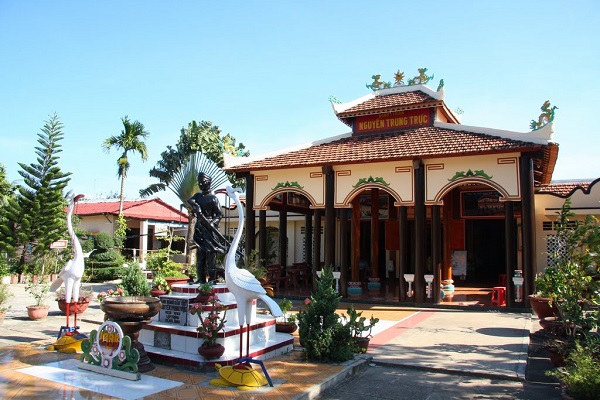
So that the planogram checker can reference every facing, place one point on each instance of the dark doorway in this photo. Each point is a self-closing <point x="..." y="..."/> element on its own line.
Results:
<point x="485" y="251"/>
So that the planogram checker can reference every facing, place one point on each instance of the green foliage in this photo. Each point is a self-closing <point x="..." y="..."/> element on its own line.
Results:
<point x="131" y="139"/>
<point x="322" y="334"/>
<point x="39" y="289"/>
<point x="34" y="217"/>
<point x="103" y="241"/>
<point x="121" y="231"/>
<point x="134" y="281"/>
<point x="254" y="265"/>
<point x="286" y="305"/>
<point x="5" y="294"/>
<point x="570" y="282"/>
<point x="581" y="375"/>
<point x="161" y="264"/>
<point x="158" y="282"/>
<point x="357" y="323"/>
<point x="106" y="262"/>
<point x="4" y="268"/>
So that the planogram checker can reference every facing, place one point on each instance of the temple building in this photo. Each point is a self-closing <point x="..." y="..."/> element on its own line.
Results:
<point x="410" y="196"/>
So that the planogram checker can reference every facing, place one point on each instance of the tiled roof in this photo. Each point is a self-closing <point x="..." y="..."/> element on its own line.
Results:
<point x="424" y="142"/>
<point x="387" y="101"/>
<point x="152" y="209"/>
<point x="565" y="189"/>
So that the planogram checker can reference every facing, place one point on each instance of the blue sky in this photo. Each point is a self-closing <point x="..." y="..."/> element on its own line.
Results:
<point x="263" y="71"/>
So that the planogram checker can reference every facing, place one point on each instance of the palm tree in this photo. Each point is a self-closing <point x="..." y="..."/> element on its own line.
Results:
<point x="130" y="139"/>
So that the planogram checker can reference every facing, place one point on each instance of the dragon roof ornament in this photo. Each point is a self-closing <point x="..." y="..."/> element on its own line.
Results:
<point x="545" y="117"/>
<point x="420" y="79"/>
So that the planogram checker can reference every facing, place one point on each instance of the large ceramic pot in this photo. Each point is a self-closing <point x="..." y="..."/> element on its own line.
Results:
<point x="177" y="281"/>
<point x="132" y="313"/>
<point x="76" y="308"/>
<point x="542" y="307"/>
<point x="37" y="312"/>
<point x="210" y="352"/>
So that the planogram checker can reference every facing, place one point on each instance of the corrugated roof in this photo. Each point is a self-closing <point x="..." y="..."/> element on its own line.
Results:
<point x="152" y="209"/>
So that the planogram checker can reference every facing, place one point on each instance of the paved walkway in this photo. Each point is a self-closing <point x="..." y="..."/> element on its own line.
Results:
<point x="479" y="344"/>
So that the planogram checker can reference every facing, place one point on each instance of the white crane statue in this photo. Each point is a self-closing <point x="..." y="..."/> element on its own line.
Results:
<point x="72" y="272"/>
<point x="241" y="283"/>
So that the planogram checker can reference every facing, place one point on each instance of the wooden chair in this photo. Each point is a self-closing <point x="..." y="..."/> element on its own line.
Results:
<point x="275" y="276"/>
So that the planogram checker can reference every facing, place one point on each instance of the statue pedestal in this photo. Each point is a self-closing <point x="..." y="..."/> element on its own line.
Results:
<point x="171" y="336"/>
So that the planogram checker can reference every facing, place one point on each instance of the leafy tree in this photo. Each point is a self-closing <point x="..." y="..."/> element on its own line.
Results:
<point x="178" y="167"/>
<point x="35" y="216"/>
<point x="131" y="139"/>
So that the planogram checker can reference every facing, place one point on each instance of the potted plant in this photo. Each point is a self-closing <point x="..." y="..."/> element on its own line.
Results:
<point x="39" y="289"/>
<point x="288" y="322"/>
<point x="205" y="291"/>
<point x="85" y="296"/>
<point x="5" y="294"/>
<point x="134" y="282"/>
<point x="360" y="329"/>
<point x="160" y="286"/>
<point x="210" y="325"/>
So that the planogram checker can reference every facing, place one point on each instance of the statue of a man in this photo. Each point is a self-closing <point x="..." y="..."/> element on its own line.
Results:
<point x="207" y="210"/>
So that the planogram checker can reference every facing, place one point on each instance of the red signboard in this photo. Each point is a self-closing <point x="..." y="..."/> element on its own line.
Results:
<point x="393" y="121"/>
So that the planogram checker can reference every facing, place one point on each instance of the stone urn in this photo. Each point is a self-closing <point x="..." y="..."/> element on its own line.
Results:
<point x="132" y="313"/>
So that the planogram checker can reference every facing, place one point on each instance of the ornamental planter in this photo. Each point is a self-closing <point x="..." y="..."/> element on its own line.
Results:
<point x="37" y="312"/>
<point x="362" y="344"/>
<point x="286" y="327"/>
<point x="542" y="306"/>
<point x="76" y="308"/>
<point x="354" y="289"/>
<point x="177" y="281"/>
<point x="374" y="284"/>
<point x="210" y="352"/>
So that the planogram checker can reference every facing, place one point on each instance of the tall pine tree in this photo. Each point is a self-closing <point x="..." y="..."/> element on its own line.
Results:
<point x="35" y="216"/>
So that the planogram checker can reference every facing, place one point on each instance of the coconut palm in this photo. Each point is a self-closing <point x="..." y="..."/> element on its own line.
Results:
<point x="130" y="139"/>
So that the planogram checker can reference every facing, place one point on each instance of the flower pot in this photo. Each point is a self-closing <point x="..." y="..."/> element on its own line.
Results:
<point x="286" y="327"/>
<point x="37" y="312"/>
<point x="542" y="308"/>
<point x="177" y="281"/>
<point x="362" y="344"/>
<point x="210" y="352"/>
<point x="374" y="284"/>
<point x="157" y="292"/>
<point x="76" y="308"/>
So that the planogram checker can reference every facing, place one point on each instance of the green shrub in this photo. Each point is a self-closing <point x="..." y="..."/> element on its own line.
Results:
<point x="92" y="274"/>
<point x="160" y="263"/>
<point x="322" y="334"/>
<point x="106" y="262"/>
<point x="5" y="294"/>
<point x="581" y="375"/>
<point x="134" y="281"/>
<point x="103" y="241"/>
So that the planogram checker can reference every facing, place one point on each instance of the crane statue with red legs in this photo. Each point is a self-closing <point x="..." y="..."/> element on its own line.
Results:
<point x="71" y="274"/>
<point x="245" y="288"/>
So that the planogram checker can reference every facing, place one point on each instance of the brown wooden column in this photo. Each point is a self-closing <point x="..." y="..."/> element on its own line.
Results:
<point x="374" y="270"/>
<point x="436" y="251"/>
<point x="317" y="246"/>
<point x="262" y="237"/>
<point x="308" y="238"/>
<point x="510" y="244"/>
<point x="329" y="217"/>
<point x="527" y="223"/>
<point x="344" y="250"/>
<point x="250" y="215"/>
<point x="420" y="234"/>
<point x="283" y="233"/>
<point x="355" y="275"/>
<point x="403" y="261"/>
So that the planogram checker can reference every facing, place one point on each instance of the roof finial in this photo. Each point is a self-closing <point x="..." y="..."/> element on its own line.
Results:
<point x="377" y="84"/>
<point x="545" y="117"/>
<point x="421" y="79"/>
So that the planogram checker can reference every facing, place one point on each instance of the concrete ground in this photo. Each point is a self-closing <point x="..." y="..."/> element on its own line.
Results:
<point x="414" y="354"/>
